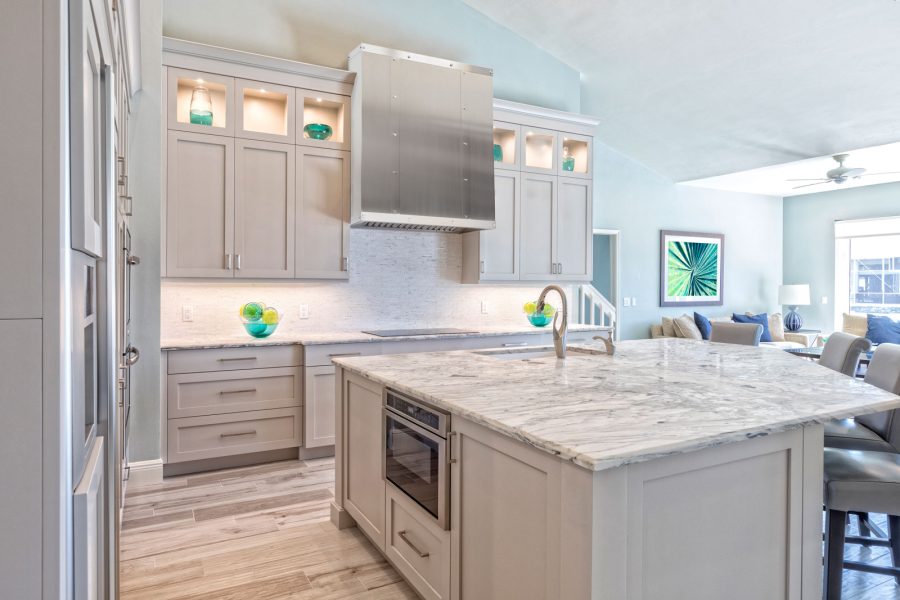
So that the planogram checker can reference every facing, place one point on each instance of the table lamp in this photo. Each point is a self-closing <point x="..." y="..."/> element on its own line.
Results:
<point x="793" y="296"/>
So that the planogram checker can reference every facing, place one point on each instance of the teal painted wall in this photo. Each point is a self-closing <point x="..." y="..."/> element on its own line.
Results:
<point x="809" y="240"/>
<point x="639" y="203"/>
<point x="602" y="266"/>
<point x="323" y="33"/>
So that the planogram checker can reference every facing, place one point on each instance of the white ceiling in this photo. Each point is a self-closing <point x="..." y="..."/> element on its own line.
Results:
<point x="695" y="88"/>
<point x="773" y="181"/>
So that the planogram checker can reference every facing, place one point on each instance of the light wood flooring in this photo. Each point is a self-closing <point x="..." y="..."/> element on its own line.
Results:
<point x="262" y="533"/>
<point x="253" y="533"/>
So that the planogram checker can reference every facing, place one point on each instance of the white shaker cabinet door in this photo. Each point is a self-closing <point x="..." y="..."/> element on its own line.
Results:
<point x="574" y="233"/>
<point x="318" y="406"/>
<point x="538" y="226"/>
<point x="323" y="213"/>
<point x="200" y="205"/>
<point x="264" y="210"/>
<point x="499" y="247"/>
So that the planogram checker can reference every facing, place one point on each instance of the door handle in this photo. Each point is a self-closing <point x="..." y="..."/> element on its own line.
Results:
<point x="238" y="261"/>
<point x="345" y="354"/>
<point x="228" y="264"/>
<point x="559" y="268"/>
<point x="237" y="433"/>
<point x="134" y="260"/>
<point x="247" y="391"/>
<point x="237" y="358"/>
<point x="482" y="266"/>
<point x="403" y="537"/>
<point x="132" y="355"/>
<point x="514" y="344"/>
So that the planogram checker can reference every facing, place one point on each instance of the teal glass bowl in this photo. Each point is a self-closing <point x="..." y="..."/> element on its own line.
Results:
<point x="260" y="330"/>
<point x="318" y="131"/>
<point x="540" y="319"/>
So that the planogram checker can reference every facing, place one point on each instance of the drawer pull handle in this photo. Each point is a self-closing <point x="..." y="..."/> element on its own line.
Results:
<point x="237" y="433"/>
<point x="248" y="391"/>
<point x="403" y="537"/>
<point x="237" y="358"/>
<point x="345" y="354"/>
<point x="513" y="344"/>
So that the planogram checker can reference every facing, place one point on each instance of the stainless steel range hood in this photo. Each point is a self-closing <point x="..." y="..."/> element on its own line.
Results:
<point x="421" y="132"/>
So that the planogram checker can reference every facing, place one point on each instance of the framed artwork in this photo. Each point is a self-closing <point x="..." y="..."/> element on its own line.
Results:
<point x="691" y="268"/>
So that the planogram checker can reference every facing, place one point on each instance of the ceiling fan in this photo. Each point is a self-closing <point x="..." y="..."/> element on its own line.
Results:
<point x="840" y="174"/>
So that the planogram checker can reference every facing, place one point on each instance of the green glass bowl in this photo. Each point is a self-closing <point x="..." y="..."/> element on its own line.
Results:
<point x="540" y="319"/>
<point x="318" y="131"/>
<point x="260" y="330"/>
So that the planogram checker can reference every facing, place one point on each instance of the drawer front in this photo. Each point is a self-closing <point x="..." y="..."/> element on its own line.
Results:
<point x="321" y="355"/>
<point x="198" y="394"/>
<point x="232" y="359"/>
<point x="410" y="535"/>
<point x="196" y="438"/>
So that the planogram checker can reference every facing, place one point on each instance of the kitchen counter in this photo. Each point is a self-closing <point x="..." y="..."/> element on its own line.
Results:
<point x="653" y="398"/>
<point x="218" y="340"/>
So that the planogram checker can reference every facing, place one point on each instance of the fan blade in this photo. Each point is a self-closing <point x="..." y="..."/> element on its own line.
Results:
<point x="809" y="184"/>
<point x="882" y="173"/>
<point x="817" y="179"/>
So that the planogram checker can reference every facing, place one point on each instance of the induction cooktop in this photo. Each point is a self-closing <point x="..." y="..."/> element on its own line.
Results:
<point x="410" y="332"/>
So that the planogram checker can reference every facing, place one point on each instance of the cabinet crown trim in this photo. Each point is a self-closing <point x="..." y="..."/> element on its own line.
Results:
<point x="548" y="113"/>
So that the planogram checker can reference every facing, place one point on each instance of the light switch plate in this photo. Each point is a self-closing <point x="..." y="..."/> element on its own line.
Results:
<point x="626" y="301"/>
<point x="484" y="307"/>
<point x="304" y="311"/>
<point x="634" y="301"/>
<point x="824" y="299"/>
<point x="187" y="313"/>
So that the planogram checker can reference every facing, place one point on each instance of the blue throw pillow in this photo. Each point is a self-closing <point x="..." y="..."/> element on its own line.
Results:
<point x="761" y="319"/>
<point x="703" y="325"/>
<point x="882" y="330"/>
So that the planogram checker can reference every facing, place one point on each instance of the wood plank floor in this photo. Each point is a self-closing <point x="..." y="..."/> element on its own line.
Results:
<point x="254" y="533"/>
<point x="262" y="533"/>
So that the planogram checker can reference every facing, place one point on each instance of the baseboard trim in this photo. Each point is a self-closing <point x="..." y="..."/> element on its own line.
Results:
<point x="145" y="472"/>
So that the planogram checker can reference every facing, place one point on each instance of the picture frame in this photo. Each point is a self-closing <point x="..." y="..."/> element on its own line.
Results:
<point x="691" y="269"/>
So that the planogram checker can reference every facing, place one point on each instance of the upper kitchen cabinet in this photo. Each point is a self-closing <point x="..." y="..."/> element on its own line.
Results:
<point x="537" y="243"/>
<point x="265" y="111"/>
<point x="200" y="102"/>
<point x="574" y="230"/>
<point x="540" y="150"/>
<point x="506" y="146"/>
<point x="264" y="183"/>
<point x="323" y="213"/>
<point x="199" y="205"/>
<point x="323" y="120"/>
<point x="575" y="155"/>
<point x="493" y="254"/>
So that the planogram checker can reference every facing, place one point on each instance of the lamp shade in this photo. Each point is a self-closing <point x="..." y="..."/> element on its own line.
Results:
<point x="794" y="295"/>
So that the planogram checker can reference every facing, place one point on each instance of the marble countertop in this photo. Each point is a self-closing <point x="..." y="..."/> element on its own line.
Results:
<point x="653" y="398"/>
<point x="218" y="340"/>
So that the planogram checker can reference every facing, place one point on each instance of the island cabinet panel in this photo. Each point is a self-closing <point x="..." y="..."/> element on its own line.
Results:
<point x="318" y="398"/>
<point x="363" y="481"/>
<point x="505" y="517"/>
<point x="417" y="547"/>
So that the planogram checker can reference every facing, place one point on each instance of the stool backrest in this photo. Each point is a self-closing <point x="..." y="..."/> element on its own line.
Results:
<point x="746" y="334"/>
<point x="841" y="352"/>
<point x="884" y="372"/>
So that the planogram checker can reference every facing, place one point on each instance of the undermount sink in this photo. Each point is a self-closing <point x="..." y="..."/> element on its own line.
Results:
<point x="533" y="353"/>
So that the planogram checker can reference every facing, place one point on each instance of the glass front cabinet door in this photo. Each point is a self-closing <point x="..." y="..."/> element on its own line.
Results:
<point x="264" y="111"/>
<point x="540" y="150"/>
<point x="575" y="155"/>
<point x="506" y="146"/>
<point x="200" y="102"/>
<point x="323" y="120"/>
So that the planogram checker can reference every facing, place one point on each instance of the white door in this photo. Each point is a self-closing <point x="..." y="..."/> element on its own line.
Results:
<point x="200" y="205"/>
<point x="318" y="406"/>
<point x="574" y="237"/>
<point x="323" y="213"/>
<point x="499" y="247"/>
<point x="263" y="210"/>
<point x="537" y="226"/>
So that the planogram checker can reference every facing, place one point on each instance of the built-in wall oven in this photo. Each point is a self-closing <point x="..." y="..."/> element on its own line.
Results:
<point x="416" y="453"/>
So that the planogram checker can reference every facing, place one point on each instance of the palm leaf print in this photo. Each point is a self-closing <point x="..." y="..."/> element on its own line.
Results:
<point x="693" y="269"/>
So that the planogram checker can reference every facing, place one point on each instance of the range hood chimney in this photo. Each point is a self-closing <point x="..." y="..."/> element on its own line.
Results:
<point x="421" y="133"/>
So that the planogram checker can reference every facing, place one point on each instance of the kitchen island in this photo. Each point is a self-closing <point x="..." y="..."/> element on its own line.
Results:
<point x="673" y="469"/>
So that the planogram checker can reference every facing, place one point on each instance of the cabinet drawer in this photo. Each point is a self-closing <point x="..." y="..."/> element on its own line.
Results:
<point x="410" y="534"/>
<point x="195" y="438"/>
<point x="198" y="394"/>
<point x="232" y="359"/>
<point x="321" y="355"/>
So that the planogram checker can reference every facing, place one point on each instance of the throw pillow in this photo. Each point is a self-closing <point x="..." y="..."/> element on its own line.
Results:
<point x="776" y="326"/>
<point x="882" y="330"/>
<point x="856" y="325"/>
<point x="686" y="328"/>
<point x="703" y="325"/>
<point x="761" y="319"/>
<point x="668" y="327"/>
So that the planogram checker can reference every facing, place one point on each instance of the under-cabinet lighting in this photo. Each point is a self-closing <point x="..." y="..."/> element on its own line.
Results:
<point x="530" y="133"/>
<point x="262" y="91"/>
<point x="318" y="99"/>
<point x="199" y="81"/>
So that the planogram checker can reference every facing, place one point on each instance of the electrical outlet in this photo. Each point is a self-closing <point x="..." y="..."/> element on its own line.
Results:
<point x="187" y="312"/>
<point x="626" y="301"/>
<point x="484" y="307"/>
<point x="824" y="299"/>
<point x="633" y="301"/>
<point x="304" y="311"/>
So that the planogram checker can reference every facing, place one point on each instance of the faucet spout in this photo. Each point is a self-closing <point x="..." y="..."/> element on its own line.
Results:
<point x="560" y="331"/>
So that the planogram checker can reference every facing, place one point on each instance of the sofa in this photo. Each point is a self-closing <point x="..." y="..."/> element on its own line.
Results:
<point x="679" y="327"/>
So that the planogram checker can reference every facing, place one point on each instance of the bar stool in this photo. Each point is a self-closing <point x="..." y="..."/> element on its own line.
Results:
<point x="745" y="334"/>
<point x="842" y="352"/>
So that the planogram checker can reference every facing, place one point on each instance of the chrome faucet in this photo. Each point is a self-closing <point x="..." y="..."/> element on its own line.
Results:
<point x="608" y="342"/>
<point x="559" y="333"/>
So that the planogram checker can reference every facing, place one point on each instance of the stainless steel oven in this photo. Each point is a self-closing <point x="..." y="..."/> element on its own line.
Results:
<point x="416" y="458"/>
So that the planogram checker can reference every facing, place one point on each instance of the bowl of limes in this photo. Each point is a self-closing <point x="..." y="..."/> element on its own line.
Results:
<point x="259" y="320"/>
<point x="539" y="316"/>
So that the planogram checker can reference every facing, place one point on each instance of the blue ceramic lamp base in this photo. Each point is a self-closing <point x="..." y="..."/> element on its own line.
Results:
<point x="792" y="320"/>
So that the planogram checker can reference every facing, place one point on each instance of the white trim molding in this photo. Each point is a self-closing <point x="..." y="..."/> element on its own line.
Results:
<point x="145" y="472"/>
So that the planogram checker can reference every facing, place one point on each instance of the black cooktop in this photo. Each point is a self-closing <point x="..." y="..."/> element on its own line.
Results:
<point x="409" y="332"/>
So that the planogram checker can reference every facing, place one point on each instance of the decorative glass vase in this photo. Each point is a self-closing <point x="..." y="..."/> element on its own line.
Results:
<point x="568" y="163"/>
<point x="498" y="153"/>
<point x="201" y="107"/>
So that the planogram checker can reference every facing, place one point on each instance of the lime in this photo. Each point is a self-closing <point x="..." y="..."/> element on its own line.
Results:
<point x="270" y="316"/>
<point x="252" y="311"/>
<point x="530" y="307"/>
<point x="549" y="311"/>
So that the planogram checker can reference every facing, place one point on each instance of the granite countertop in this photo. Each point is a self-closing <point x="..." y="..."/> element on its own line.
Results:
<point x="218" y="340"/>
<point x="653" y="398"/>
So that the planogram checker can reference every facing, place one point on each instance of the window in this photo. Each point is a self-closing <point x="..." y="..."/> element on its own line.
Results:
<point x="867" y="267"/>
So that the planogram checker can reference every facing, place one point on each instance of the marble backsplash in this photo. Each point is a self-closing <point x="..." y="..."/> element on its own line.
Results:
<point x="397" y="279"/>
